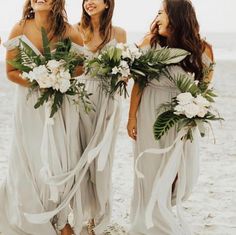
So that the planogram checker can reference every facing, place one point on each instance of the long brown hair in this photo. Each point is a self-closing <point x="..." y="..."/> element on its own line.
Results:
<point x="58" y="16"/>
<point x="105" y="29"/>
<point x="184" y="33"/>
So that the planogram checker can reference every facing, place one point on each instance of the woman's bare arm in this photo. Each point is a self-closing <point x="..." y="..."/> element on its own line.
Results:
<point x="13" y="74"/>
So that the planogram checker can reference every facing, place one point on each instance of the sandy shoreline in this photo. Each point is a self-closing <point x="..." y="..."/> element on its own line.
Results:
<point x="211" y="210"/>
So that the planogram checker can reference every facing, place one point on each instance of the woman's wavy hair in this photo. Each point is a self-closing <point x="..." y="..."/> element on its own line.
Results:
<point x="184" y="33"/>
<point x="105" y="24"/>
<point x="58" y="16"/>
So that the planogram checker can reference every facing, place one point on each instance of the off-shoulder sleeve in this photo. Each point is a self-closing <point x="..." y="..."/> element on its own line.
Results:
<point x="12" y="43"/>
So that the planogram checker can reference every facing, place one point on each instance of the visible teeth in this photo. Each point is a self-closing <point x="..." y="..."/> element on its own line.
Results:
<point x="90" y="8"/>
<point x="40" y="1"/>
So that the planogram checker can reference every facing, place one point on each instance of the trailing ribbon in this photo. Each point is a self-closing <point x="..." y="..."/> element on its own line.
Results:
<point x="163" y="184"/>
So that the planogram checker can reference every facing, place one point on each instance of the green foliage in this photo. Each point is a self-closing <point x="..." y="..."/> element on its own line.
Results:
<point x="152" y="62"/>
<point x="164" y="123"/>
<point x="101" y="68"/>
<point x="27" y="59"/>
<point x="46" y="45"/>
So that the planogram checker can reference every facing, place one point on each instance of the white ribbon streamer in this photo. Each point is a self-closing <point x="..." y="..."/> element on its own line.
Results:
<point x="163" y="185"/>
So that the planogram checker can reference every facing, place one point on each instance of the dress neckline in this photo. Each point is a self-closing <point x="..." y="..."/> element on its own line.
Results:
<point x="95" y="52"/>
<point x="32" y="45"/>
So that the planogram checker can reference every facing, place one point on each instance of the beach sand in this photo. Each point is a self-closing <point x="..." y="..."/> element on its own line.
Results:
<point x="211" y="209"/>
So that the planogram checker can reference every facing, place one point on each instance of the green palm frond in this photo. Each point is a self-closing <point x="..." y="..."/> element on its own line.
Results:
<point x="164" y="123"/>
<point x="46" y="45"/>
<point x="169" y="56"/>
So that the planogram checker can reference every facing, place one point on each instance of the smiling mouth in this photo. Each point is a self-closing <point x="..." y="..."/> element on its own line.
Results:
<point x="40" y="1"/>
<point x="90" y="8"/>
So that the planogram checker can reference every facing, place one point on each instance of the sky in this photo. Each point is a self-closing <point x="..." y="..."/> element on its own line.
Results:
<point x="136" y="15"/>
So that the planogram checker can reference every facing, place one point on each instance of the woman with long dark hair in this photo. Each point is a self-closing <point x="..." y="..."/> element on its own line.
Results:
<point x="24" y="190"/>
<point x="175" y="26"/>
<point x="98" y="129"/>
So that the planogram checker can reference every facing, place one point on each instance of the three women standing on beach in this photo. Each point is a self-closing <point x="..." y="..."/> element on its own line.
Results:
<point x="77" y="135"/>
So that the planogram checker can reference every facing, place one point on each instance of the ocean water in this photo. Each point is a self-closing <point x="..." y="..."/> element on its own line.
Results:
<point x="224" y="44"/>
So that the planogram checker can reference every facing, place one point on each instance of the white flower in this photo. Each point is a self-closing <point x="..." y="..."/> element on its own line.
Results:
<point x="55" y="65"/>
<point x="124" y="64"/>
<point x="124" y="68"/>
<point x="120" y="46"/>
<point x="125" y="72"/>
<point x="115" y="70"/>
<point x="202" y="112"/>
<point x="45" y="82"/>
<point x="25" y="75"/>
<point x="126" y="54"/>
<point x="41" y="75"/>
<point x="135" y="51"/>
<point x="64" y="85"/>
<point x="201" y="101"/>
<point x="179" y="109"/>
<point x="185" y="98"/>
<point x="65" y="74"/>
<point x="191" y="110"/>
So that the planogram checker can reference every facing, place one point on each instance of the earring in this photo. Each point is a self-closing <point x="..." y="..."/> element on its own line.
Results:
<point x="31" y="13"/>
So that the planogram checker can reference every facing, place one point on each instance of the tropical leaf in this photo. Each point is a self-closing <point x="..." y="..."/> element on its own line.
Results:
<point x="46" y="45"/>
<point x="169" y="56"/>
<point x="17" y="65"/>
<point x="164" y="123"/>
<point x="57" y="102"/>
<point x="27" y="49"/>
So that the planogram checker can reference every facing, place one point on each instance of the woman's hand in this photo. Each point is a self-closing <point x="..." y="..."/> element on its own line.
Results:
<point x="79" y="70"/>
<point x="132" y="128"/>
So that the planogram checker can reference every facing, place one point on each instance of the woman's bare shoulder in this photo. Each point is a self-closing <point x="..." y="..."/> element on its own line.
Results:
<point x="119" y="34"/>
<point x="146" y="41"/>
<point x="17" y="29"/>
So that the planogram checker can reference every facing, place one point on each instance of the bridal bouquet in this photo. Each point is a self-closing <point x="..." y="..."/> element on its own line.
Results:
<point x="112" y="67"/>
<point x="52" y="73"/>
<point x="193" y="107"/>
<point x="151" y="63"/>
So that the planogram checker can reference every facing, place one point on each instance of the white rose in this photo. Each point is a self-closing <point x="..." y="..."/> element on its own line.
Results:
<point x="55" y="65"/>
<point x="200" y="100"/>
<point x="202" y="112"/>
<point x="179" y="109"/>
<point x="185" y="98"/>
<point x="45" y="82"/>
<point x="191" y="110"/>
<point x="65" y="74"/>
<point x="64" y="85"/>
<point x="41" y="75"/>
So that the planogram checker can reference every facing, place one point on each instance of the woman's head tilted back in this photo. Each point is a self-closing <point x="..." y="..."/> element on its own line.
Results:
<point x="57" y="13"/>
<point x="97" y="8"/>
<point x="176" y="25"/>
